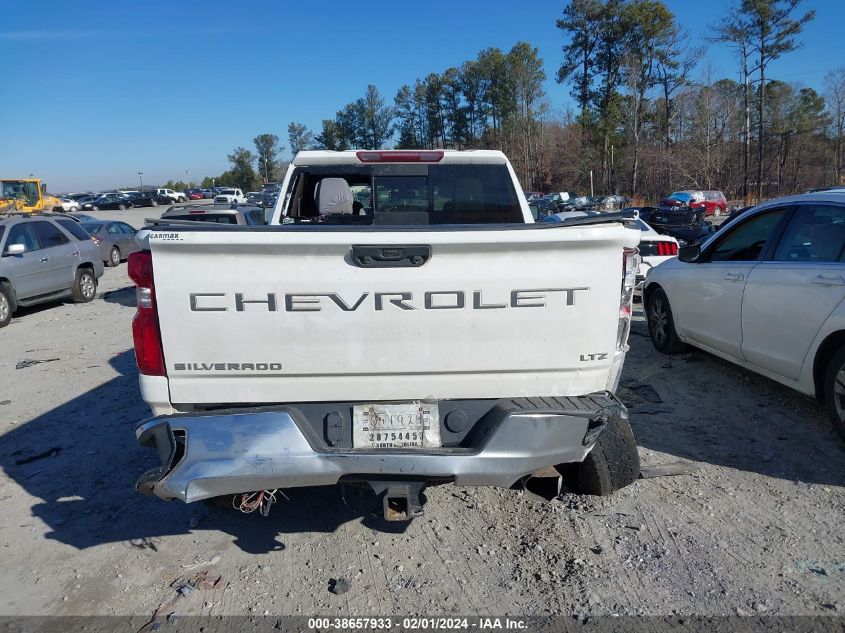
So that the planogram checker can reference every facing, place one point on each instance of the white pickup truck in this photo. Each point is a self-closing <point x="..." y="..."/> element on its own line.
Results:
<point x="175" y="196"/>
<point x="231" y="196"/>
<point x="402" y="321"/>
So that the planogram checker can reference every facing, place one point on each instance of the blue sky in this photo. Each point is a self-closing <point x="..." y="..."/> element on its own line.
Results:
<point x="93" y="92"/>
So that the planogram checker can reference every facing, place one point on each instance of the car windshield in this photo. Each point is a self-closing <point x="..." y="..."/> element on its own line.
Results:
<point x="683" y="196"/>
<point x="93" y="227"/>
<point x="227" y="191"/>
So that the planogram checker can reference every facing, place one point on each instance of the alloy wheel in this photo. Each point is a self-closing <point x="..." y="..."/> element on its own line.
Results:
<point x="5" y="308"/>
<point x="659" y="320"/>
<point x="839" y="393"/>
<point x="115" y="256"/>
<point x="87" y="285"/>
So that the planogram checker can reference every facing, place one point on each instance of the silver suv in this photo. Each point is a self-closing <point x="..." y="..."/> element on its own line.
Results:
<point x="42" y="258"/>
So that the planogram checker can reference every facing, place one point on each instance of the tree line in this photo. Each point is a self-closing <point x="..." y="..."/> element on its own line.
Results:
<point x="651" y="115"/>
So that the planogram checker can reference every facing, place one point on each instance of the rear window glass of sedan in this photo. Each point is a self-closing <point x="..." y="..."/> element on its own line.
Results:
<point x="93" y="227"/>
<point x="74" y="229"/>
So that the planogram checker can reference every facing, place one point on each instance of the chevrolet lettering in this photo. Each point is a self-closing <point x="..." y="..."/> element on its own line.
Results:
<point x="432" y="300"/>
<point x="444" y="337"/>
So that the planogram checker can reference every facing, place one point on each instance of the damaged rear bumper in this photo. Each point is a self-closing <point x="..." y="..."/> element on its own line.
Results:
<point x="231" y="451"/>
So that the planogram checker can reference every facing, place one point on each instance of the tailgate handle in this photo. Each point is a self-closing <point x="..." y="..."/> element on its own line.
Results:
<point x="386" y="256"/>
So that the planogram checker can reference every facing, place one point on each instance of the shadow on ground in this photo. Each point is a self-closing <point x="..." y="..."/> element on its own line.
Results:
<point x="709" y="410"/>
<point x="84" y="482"/>
<point x="121" y="296"/>
<point x="82" y="461"/>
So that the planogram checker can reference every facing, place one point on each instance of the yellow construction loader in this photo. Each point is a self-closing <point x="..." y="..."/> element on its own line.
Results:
<point x="26" y="195"/>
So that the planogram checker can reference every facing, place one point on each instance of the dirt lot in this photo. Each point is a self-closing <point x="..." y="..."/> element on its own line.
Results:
<point x="756" y="529"/>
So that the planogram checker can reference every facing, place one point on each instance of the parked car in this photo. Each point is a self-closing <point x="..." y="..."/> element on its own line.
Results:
<point x="79" y="196"/>
<point x="230" y="195"/>
<point x="108" y="201"/>
<point x="149" y="199"/>
<point x="684" y="223"/>
<point x="83" y="200"/>
<point x="610" y="203"/>
<point x="115" y="240"/>
<point x="655" y="249"/>
<point x="44" y="258"/>
<point x="715" y="203"/>
<point x="207" y="193"/>
<point x="69" y="205"/>
<point x="218" y="213"/>
<point x="194" y="194"/>
<point x="712" y="202"/>
<point x="255" y="197"/>
<point x="173" y="196"/>
<point x="767" y="292"/>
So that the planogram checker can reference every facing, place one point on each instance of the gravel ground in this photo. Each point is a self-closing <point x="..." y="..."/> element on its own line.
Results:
<point x="756" y="528"/>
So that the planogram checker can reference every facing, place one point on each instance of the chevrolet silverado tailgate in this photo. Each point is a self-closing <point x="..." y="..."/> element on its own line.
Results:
<point x="294" y="314"/>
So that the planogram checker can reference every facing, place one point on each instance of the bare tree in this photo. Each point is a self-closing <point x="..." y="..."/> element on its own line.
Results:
<point x="834" y="93"/>
<point x="773" y="33"/>
<point x="736" y="32"/>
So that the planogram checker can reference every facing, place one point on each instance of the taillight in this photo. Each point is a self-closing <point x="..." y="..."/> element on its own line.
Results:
<point x="630" y="267"/>
<point x="400" y="156"/>
<point x="145" y="329"/>
<point x="666" y="249"/>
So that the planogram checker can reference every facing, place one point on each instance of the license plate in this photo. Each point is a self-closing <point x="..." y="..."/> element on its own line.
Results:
<point x="411" y="425"/>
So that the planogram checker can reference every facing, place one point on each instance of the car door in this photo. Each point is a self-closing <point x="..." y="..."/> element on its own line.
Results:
<point x="127" y="239"/>
<point x="789" y="297"/>
<point x="59" y="253"/>
<point x="28" y="270"/>
<point x="709" y="305"/>
<point x="117" y="236"/>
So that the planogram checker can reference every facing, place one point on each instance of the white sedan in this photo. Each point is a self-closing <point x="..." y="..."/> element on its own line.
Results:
<point x="654" y="249"/>
<point x="69" y="205"/>
<point x="767" y="292"/>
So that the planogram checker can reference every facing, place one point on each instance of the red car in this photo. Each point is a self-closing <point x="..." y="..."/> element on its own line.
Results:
<point x="194" y="194"/>
<point x="713" y="202"/>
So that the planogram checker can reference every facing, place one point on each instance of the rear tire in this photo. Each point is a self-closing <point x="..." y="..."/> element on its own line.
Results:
<point x="84" y="286"/>
<point x="5" y="305"/>
<point x="114" y="257"/>
<point x="613" y="463"/>
<point x="834" y="391"/>
<point x="661" y="324"/>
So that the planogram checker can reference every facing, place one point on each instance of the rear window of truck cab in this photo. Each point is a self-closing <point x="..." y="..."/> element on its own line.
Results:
<point x="404" y="194"/>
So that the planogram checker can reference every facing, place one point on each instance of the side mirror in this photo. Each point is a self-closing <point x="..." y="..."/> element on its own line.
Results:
<point x="689" y="254"/>
<point x="15" y="249"/>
